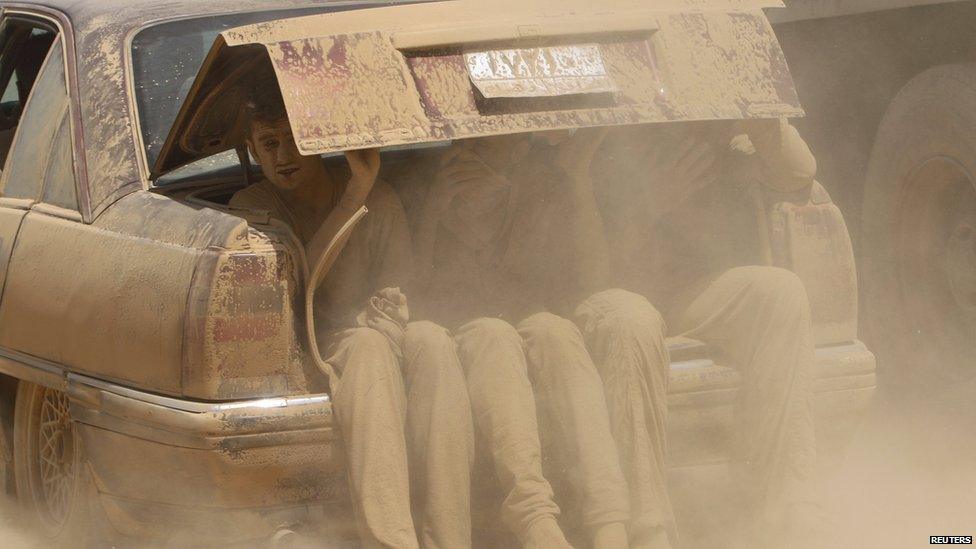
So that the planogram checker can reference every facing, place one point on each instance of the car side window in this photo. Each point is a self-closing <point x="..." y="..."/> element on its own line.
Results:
<point x="24" y="45"/>
<point x="10" y="95"/>
<point x="40" y="165"/>
<point x="59" y="178"/>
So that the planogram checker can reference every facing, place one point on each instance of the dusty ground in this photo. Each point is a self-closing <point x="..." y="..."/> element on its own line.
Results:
<point x="909" y="473"/>
<point x="13" y="534"/>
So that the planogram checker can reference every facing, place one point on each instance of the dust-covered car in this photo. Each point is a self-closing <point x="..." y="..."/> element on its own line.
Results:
<point x="157" y="379"/>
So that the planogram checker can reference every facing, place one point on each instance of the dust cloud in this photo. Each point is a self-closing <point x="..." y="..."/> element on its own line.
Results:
<point x="908" y="473"/>
<point x="14" y="530"/>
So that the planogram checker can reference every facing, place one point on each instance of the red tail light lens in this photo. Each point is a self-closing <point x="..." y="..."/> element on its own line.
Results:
<point x="241" y="331"/>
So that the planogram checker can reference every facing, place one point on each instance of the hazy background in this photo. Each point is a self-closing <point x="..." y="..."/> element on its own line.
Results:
<point x="909" y="473"/>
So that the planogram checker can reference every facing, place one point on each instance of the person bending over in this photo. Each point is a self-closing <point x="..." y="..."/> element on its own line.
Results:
<point x="667" y="246"/>
<point x="511" y="244"/>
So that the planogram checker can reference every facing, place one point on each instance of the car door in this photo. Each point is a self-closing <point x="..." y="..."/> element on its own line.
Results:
<point x="25" y="43"/>
<point x="39" y="187"/>
<point x="83" y="296"/>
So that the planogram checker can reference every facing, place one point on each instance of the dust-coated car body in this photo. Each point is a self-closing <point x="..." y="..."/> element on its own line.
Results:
<point x="156" y="380"/>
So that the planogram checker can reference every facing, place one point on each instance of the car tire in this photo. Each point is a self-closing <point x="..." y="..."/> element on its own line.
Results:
<point x="50" y="476"/>
<point x="919" y="234"/>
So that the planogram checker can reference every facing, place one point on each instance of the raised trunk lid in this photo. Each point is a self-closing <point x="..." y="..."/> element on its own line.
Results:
<point x="408" y="74"/>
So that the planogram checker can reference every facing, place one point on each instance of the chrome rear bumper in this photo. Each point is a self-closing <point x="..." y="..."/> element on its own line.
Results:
<point x="239" y="471"/>
<point x="194" y="473"/>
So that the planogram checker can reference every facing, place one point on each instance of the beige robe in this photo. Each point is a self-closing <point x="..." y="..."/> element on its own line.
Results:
<point x="402" y="410"/>
<point x="758" y="316"/>
<point x="501" y="265"/>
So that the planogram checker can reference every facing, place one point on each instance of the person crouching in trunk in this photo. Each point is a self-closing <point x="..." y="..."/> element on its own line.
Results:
<point x="669" y="191"/>
<point x="511" y="244"/>
<point x="400" y="398"/>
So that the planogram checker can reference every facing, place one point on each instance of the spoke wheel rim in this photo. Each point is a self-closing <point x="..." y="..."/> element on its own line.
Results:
<point x="53" y="473"/>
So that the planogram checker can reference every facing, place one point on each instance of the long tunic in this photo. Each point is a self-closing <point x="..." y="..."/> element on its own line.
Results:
<point x="378" y="254"/>
<point x="501" y="250"/>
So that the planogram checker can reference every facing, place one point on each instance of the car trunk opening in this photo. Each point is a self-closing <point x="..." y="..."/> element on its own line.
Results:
<point x="429" y="73"/>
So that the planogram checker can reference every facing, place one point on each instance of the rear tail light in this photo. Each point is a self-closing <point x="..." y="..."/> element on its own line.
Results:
<point x="241" y="330"/>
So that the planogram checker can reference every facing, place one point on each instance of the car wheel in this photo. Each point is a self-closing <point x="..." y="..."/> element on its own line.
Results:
<point x="48" y="466"/>
<point x="919" y="233"/>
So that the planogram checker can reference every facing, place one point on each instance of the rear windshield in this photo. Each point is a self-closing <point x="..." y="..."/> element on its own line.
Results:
<point x="165" y="60"/>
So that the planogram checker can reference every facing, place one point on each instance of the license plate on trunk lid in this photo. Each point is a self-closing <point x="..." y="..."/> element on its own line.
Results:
<point x="539" y="72"/>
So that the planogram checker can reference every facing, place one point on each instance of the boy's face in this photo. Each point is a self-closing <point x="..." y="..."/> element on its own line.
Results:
<point x="273" y="146"/>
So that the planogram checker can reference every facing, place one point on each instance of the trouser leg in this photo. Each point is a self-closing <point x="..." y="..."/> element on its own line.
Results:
<point x="370" y="410"/>
<point x="505" y="419"/>
<point x="440" y="438"/>
<point x="571" y="402"/>
<point x="760" y="317"/>
<point x="625" y="335"/>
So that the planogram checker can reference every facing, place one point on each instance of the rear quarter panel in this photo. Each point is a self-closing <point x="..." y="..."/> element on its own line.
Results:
<point x="98" y="301"/>
<point x="110" y="299"/>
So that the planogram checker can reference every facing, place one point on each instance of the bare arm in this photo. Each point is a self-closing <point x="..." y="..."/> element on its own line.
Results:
<point x="787" y="161"/>
<point x="365" y="166"/>
<point x="589" y="239"/>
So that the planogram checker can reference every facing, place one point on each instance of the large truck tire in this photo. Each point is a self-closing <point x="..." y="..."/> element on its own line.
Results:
<point x="53" y="488"/>
<point x="919" y="234"/>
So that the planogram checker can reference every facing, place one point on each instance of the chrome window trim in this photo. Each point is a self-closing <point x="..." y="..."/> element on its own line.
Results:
<point x="56" y="211"/>
<point x="67" y="38"/>
<point x="58" y="41"/>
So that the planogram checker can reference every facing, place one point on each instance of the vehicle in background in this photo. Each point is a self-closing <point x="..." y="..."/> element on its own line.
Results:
<point x="154" y="375"/>
<point x="890" y="92"/>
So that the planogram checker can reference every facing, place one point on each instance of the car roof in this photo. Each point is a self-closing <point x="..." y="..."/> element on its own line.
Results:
<point x="101" y="31"/>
